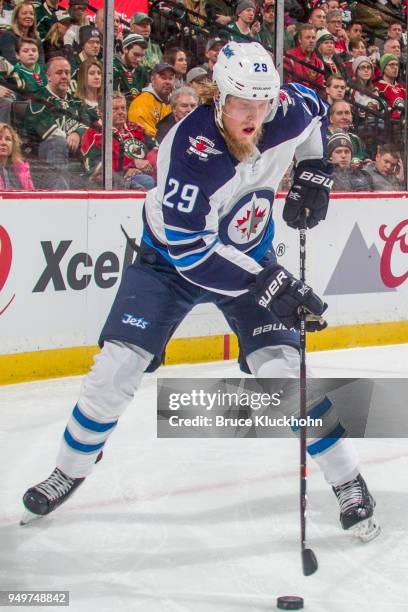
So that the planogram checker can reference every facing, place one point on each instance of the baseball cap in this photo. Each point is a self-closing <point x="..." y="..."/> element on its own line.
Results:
<point x="134" y="39"/>
<point x="78" y="2"/>
<point x="213" y="42"/>
<point x="139" y="17"/>
<point x="162" y="67"/>
<point x="196" y="73"/>
<point x="62" y="16"/>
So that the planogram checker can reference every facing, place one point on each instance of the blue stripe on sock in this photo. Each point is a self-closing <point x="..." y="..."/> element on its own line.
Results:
<point x="89" y="423"/>
<point x="78" y="446"/>
<point x="316" y="412"/>
<point x="327" y="441"/>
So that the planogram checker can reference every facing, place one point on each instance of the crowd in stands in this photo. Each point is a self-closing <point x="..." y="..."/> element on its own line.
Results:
<point x="353" y="54"/>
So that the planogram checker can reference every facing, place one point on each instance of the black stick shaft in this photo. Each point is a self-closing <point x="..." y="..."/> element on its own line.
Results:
<point x="302" y="411"/>
<point x="309" y="561"/>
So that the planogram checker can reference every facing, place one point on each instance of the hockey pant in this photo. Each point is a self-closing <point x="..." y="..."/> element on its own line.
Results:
<point x="117" y="373"/>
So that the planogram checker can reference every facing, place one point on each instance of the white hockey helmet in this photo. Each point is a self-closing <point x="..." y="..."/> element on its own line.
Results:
<point x="246" y="70"/>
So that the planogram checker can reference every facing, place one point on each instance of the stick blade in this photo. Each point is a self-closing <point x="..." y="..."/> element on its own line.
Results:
<point x="309" y="562"/>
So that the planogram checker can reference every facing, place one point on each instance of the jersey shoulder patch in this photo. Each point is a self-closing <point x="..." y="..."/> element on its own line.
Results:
<point x="198" y="145"/>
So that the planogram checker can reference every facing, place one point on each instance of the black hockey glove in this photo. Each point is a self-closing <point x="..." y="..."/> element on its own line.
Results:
<point x="310" y="190"/>
<point x="280" y="292"/>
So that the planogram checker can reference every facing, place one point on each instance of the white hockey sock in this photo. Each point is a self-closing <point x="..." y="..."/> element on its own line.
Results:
<point x="105" y="394"/>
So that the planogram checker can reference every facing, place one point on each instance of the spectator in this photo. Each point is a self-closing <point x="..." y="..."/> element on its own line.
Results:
<point x="89" y="46"/>
<point x="318" y="18"/>
<point x="393" y="91"/>
<point x="131" y="169"/>
<point x="386" y="168"/>
<point x="335" y="26"/>
<point x="354" y="30"/>
<point x="27" y="74"/>
<point x="394" y="31"/>
<point x="89" y="88"/>
<point x="197" y="79"/>
<point x="340" y="116"/>
<point x="357" y="47"/>
<point x="182" y="101"/>
<point x="393" y="45"/>
<point x="14" y="172"/>
<point x="220" y="11"/>
<point x="6" y="11"/>
<point x="142" y="24"/>
<point x="23" y="24"/>
<point x="77" y="9"/>
<point x="152" y="104"/>
<point x="335" y="88"/>
<point x="346" y="177"/>
<point x="54" y="41"/>
<point x="99" y="25"/>
<point x="305" y="51"/>
<point x="363" y="71"/>
<point x="45" y="14"/>
<point x="327" y="52"/>
<point x="267" y="31"/>
<point x="55" y="125"/>
<point x="245" y="27"/>
<point x="177" y="57"/>
<point x="129" y="76"/>
<point x="212" y="49"/>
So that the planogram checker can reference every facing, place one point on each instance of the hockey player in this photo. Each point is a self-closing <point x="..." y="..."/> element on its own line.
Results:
<point x="207" y="238"/>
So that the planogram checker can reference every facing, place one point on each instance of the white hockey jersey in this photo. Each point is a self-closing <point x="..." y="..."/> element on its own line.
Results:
<point x="210" y="216"/>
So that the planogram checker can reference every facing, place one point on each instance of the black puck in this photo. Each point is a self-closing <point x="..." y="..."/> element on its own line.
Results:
<point x="290" y="602"/>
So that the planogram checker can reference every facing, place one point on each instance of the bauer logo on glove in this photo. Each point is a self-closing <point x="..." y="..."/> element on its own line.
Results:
<point x="311" y="187"/>
<point x="280" y="292"/>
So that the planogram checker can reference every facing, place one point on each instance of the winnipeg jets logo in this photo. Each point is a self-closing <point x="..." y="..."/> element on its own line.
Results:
<point x="202" y="146"/>
<point x="248" y="218"/>
<point x="248" y="224"/>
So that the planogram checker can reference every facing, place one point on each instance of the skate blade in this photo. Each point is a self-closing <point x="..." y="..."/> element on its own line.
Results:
<point x="29" y="517"/>
<point x="366" y="530"/>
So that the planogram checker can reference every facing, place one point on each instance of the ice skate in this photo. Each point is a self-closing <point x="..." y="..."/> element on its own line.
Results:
<point x="357" y="509"/>
<point x="46" y="496"/>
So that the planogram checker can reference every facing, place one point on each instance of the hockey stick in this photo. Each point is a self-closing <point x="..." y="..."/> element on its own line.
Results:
<point x="309" y="561"/>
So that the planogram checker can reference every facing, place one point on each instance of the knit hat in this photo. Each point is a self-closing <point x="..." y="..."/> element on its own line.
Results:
<point x="196" y="73"/>
<point x="322" y="36"/>
<point x="134" y="39"/>
<point x="386" y="59"/>
<point x="86" y="33"/>
<point x="338" y="138"/>
<point x="78" y="2"/>
<point x="362" y="59"/>
<point x="242" y="5"/>
<point x="139" y="17"/>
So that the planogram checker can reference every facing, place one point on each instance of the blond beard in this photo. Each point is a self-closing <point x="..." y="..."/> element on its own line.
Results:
<point x="242" y="151"/>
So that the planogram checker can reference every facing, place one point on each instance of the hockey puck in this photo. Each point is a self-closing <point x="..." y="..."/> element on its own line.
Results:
<point x="290" y="602"/>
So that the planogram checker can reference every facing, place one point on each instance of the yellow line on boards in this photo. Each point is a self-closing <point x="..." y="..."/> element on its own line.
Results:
<point x="55" y="363"/>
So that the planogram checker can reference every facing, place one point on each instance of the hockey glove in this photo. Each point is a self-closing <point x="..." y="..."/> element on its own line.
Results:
<point x="280" y="292"/>
<point x="310" y="190"/>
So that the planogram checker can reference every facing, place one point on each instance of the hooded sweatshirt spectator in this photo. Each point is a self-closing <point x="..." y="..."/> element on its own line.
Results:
<point x="152" y="105"/>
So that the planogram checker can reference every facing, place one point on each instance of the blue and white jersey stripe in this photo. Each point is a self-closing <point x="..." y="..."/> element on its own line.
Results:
<point x="210" y="215"/>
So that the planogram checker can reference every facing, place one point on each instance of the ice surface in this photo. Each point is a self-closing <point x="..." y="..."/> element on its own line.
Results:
<point x="202" y="525"/>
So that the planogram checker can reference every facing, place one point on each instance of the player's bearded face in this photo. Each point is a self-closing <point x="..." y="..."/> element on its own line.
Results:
<point x="242" y="121"/>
